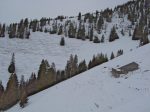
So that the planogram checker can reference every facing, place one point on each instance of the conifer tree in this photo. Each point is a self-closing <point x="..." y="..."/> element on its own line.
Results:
<point x="23" y="99"/>
<point x="26" y="22"/>
<point x="12" y="90"/>
<point x="113" y="35"/>
<point x="102" y="39"/>
<point x="112" y="56"/>
<point x="62" y="42"/>
<point x="120" y="52"/>
<point x="144" y="40"/>
<point x="68" y="69"/>
<point x="1" y="88"/>
<point x="82" y="67"/>
<point x="81" y="32"/>
<point x="2" y="31"/>
<point x="60" y="30"/>
<point x="91" y="34"/>
<point x="42" y="70"/>
<point x="11" y="68"/>
<point x="79" y="16"/>
<point x="138" y="33"/>
<point x="122" y="32"/>
<point x="71" y="31"/>
<point x="100" y="24"/>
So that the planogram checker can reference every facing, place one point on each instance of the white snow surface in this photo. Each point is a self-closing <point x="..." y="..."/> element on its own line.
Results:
<point x="97" y="91"/>
<point x="29" y="53"/>
<point x="15" y="10"/>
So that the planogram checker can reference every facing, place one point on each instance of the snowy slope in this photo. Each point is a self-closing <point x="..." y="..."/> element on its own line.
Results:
<point x="14" y="10"/>
<point x="29" y="53"/>
<point x="96" y="91"/>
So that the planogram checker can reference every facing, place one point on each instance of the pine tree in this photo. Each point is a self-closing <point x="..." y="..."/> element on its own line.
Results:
<point x="1" y="88"/>
<point x="75" y="65"/>
<point x="51" y="75"/>
<point x="23" y="99"/>
<point x="100" y="24"/>
<point x="71" y="31"/>
<point x="62" y="42"/>
<point x="130" y="33"/>
<point x="81" y="32"/>
<point x="113" y="35"/>
<point x="68" y="70"/>
<point x="122" y="32"/>
<point x="82" y="67"/>
<point x="79" y="16"/>
<point x="112" y="56"/>
<point x="72" y="66"/>
<point x="90" y="65"/>
<point x="3" y="31"/>
<point x="60" y="32"/>
<point x="12" y="30"/>
<point x="13" y="82"/>
<point x="11" y="68"/>
<point x="31" y="85"/>
<point x="42" y="70"/>
<point x="144" y="40"/>
<point x="22" y="82"/>
<point x="102" y="39"/>
<point x="91" y="34"/>
<point x="26" y="22"/>
<point x="138" y="33"/>
<point x="120" y="52"/>
<point x="12" y="91"/>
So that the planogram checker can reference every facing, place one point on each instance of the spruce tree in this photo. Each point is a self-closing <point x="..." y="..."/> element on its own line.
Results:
<point x="42" y="70"/>
<point x="23" y="99"/>
<point x="102" y="39"/>
<point x="1" y="88"/>
<point x="60" y="32"/>
<point x="62" y="41"/>
<point x="11" y="68"/>
<point x="12" y="90"/>
<point x="3" y="31"/>
<point x="68" y="70"/>
<point x="71" y="31"/>
<point x="112" y="56"/>
<point x="91" y="34"/>
<point x="100" y="24"/>
<point x="82" y="67"/>
<point x="79" y="16"/>
<point x="113" y="35"/>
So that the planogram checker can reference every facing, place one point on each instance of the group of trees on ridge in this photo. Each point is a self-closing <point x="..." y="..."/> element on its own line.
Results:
<point x="47" y="76"/>
<point x="85" y="26"/>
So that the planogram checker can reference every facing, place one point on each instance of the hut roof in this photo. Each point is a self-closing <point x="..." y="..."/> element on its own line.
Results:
<point x="130" y="67"/>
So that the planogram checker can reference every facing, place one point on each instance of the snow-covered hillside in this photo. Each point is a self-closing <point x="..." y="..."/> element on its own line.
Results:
<point x="97" y="91"/>
<point x="121" y="34"/>
<point x="29" y="53"/>
<point x="46" y="46"/>
<point x="13" y="11"/>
